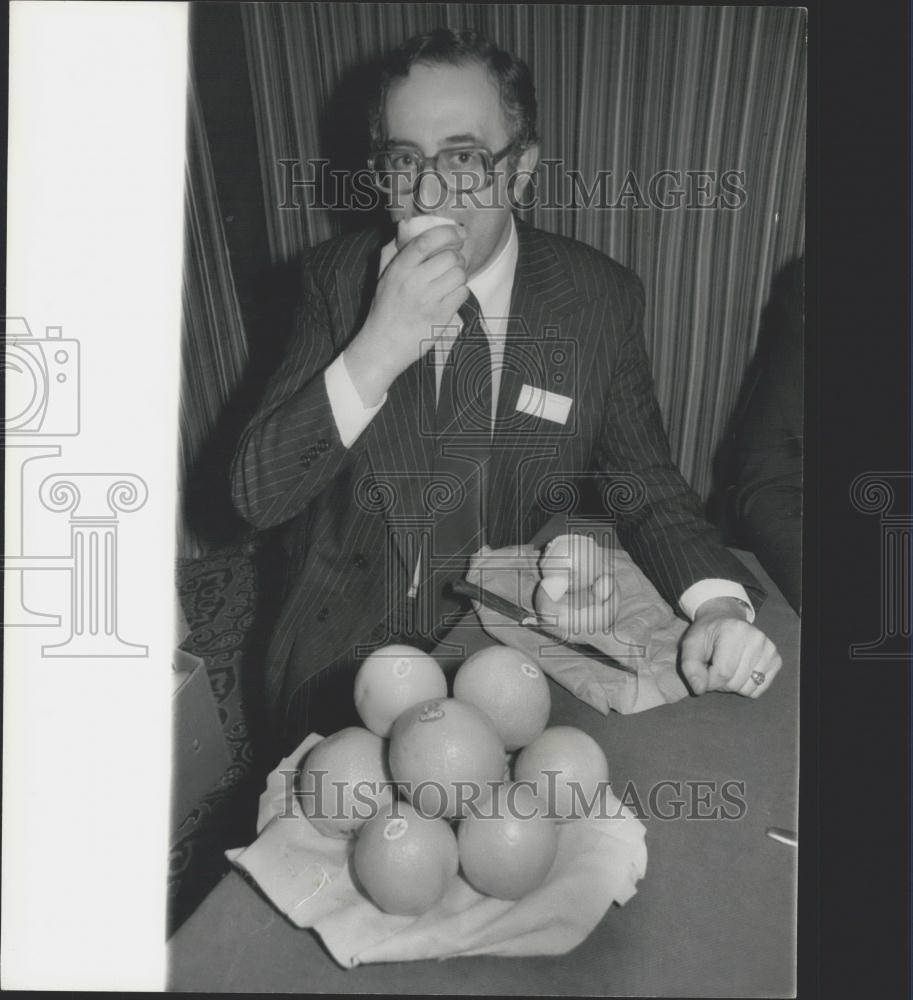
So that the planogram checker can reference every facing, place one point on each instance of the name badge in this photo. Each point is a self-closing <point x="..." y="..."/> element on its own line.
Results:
<point x="543" y="404"/>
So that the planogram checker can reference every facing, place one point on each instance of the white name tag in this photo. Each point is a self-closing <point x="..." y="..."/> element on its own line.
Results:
<point x="543" y="404"/>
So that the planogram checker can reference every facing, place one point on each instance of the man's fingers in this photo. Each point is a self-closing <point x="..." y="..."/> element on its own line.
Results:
<point x="751" y="645"/>
<point x="448" y="281"/>
<point x="770" y="669"/>
<point x="428" y="243"/>
<point x="766" y="665"/>
<point x="728" y="656"/>
<point x="694" y="661"/>
<point x="453" y="300"/>
<point x="725" y="658"/>
<point x="440" y="263"/>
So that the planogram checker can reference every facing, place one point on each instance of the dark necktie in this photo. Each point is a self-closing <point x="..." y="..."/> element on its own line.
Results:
<point x="461" y="451"/>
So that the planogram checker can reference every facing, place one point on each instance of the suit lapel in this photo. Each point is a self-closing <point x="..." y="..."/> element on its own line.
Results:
<point x="537" y="354"/>
<point x="399" y="442"/>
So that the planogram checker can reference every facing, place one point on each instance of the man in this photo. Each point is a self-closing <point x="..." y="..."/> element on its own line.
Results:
<point x="357" y="423"/>
<point x="767" y="449"/>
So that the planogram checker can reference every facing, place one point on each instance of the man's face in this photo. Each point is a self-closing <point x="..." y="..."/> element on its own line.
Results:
<point x="442" y="106"/>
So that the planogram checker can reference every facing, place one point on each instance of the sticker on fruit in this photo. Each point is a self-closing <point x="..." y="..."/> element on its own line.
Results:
<point x="461" y="830"/>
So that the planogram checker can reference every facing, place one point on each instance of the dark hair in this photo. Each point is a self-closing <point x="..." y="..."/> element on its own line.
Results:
<point x="442" y="45"/>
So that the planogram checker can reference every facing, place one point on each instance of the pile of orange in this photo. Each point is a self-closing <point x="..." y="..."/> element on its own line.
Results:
<point x="434" y="785"/>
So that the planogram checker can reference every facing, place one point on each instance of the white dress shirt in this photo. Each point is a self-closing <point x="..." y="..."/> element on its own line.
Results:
<point x="492" y="287"/>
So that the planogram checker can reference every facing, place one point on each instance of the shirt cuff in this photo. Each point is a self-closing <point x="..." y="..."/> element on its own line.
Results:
<point x="706" y="590"/>
<point x="349" y="412"/>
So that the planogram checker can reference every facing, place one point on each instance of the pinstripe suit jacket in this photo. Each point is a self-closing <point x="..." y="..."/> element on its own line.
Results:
<point x="575" y="329"/>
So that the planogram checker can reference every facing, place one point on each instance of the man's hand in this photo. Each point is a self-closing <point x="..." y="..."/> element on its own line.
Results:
<point x="421" y="288"/>
<point x="720" y="651"/>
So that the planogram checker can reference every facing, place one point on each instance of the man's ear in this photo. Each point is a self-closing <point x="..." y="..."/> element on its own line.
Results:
<point x="523" y="173"/>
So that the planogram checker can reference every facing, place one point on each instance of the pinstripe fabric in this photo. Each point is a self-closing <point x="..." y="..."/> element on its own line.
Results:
<point x="576" y="327"/>
<point x="622" y="89"/>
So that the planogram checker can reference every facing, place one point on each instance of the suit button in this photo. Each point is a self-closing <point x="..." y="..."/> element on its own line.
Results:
<point x="323" y="614"/>
<point x="323" y="445"/>
<point x="360" y="561"/>
<point x="305" y="461"/>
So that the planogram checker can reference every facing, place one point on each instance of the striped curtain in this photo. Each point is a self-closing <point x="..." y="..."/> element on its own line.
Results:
<point x="214" y="348"/>
<point x="621" y="89"/>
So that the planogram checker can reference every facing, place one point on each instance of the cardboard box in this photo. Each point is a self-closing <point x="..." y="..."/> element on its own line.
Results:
<point x="199" y="754"/>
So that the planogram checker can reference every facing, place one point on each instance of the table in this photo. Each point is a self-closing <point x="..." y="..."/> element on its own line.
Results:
<point x="714" y="916"/>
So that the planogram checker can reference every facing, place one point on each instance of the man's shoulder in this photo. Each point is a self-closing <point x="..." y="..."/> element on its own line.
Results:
<point x="348" y="253"/>
<point x="594" y="273"/>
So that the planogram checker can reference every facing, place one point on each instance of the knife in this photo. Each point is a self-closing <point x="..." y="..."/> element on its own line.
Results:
<point x="522" y="617"/>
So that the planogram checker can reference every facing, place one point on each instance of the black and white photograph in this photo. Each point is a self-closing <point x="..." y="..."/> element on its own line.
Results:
<point x="491" y="431"/>
<point x="408" y="501"/>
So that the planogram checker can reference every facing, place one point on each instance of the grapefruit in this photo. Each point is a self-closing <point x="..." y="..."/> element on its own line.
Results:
<point x="568" y="769"/>
<point x="393" y="679"/>
<point x="405" y="861"/>
<point x="442" y="753"/>
<point x="510" y="689"/>
<point x="344" y="781"/>
<point x="508" y="851"/>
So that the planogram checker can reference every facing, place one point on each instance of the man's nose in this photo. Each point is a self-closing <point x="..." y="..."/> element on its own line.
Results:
<point x="429" y="192"/>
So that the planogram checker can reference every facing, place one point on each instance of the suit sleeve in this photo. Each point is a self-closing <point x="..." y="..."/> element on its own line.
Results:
<point x="662" y="524"/>
<point x="291" y="450"/>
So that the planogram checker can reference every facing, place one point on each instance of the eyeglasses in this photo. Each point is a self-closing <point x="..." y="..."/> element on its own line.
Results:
<point x="461" y="168"/>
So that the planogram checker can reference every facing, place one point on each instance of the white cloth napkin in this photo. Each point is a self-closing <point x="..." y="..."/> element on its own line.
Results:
<point x="645" y="633"/>
<point x="307" y="877"/>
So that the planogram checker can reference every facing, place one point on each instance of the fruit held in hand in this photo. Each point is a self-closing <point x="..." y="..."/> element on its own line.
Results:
<point x="404" y="861"/>
<point x="579" y="762"/>
<point x="569" y="563"/>
<point x="408" y="229"/>
<point x="440" y="751"/>
<point x="510" y="689"/>
<point x="508" y="848"/>
<point x="393" y="679"/>
<point x="344" y="782"/>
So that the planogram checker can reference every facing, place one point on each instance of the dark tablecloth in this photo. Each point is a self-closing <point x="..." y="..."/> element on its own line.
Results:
<point x="714" y="916"/>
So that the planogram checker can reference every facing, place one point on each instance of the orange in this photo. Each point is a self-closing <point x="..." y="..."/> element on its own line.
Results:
<point x="393" y="679"/>
<point x="404" y="861"/>
<point x="580" y="771"/>
<point x="510" y="689"/>
<point x="344" y="781"/>
<point x="508" y="848"/>
<point x="443" y="753"/>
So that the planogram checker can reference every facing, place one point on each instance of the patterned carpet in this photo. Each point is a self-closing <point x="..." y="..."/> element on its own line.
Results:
<point x="222" y="602"/>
